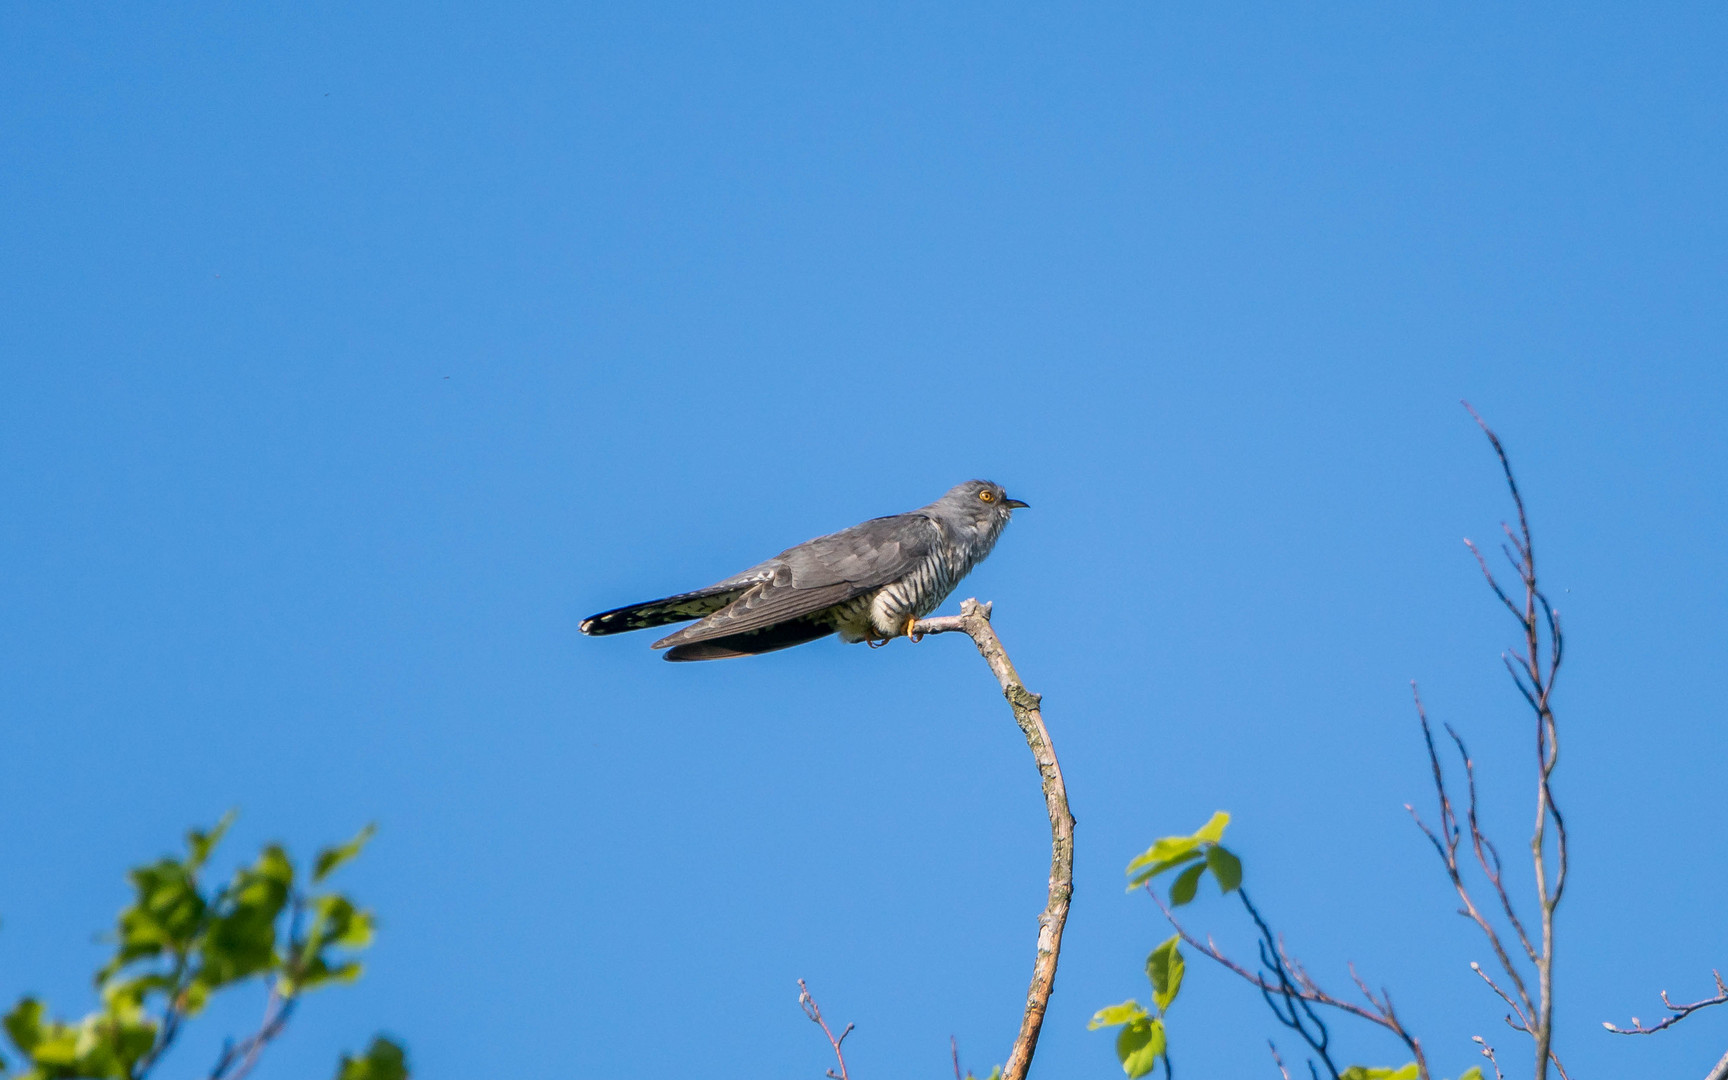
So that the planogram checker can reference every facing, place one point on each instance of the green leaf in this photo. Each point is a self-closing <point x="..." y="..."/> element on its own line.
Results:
<point x="1474" y="1072"/>
<point x="1213" y="830"/>
<point x="332" y="857"/>
<point x="125" y="995"/>
<point x="50" y="1046"/>
<point x="318" y="973"/>
<point x="1162" y="855"/>
<point x="1182" y="889"/>
<point x="1226" y="867"/>
<point x="1164" y="967"/>
<point x="199" y="845"/>
<point x="110" y="1044"/>
<point x="1139" y="1045"/>
<point x="384" y="1060"/>
<point x="338" y="922"/>
<point x="1112" y="1015"/>
<point x="166" y="915"/>
<point x="24" y="1024"/>
<point x="1363" y="1072"/>
<point x="241" y="939"/>
<point x="1148" y="871"/>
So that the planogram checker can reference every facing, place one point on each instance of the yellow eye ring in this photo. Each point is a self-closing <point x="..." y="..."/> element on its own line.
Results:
<point x="987" y="496"/>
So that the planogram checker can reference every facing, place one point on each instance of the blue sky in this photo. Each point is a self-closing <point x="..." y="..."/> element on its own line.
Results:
<point x="350" y="357"/>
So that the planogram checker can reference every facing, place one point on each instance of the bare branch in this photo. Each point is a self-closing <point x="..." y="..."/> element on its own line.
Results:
<point x="974" y="621"/>
<point x="1679" y="1012"/>
<point x="1523" y="1023"/>
<point x="1488" y="1052"/>
<point x="239" y="1059"/>
<point x="1276" y="1060"/>
<point x="1534" y="675"/>
<point x="1486" y="855"/>
<point x="1720" y="1072"/>
<point x="814" y="1012"/>
<point x="1448" y="852"/>
<point x="1297" y="988"/>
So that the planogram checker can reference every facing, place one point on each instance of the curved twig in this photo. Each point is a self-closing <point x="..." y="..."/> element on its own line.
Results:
<point x="1534" y="675"/>
<point x="974" y="621"/>
<point x="1296" y="985"/>
<point x="1680" y="1012"/>
<point x="814" y="1012"/>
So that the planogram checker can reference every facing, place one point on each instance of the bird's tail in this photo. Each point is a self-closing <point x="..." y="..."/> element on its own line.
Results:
<point x="754" y="643"/>
<point x="690" y="605"/>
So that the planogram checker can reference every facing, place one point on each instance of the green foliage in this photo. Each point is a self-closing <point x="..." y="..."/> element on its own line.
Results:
<point x="1139" y="1046"/>
<point x="1164" y="968"/>
<point x="105" y="1044"/>
<point x="1226" y="867"/>
<point x="1213" y="830"/>
<point x="1203" y="848"/>
<point x="332" y="857"/>
<point x="1142" y="1041"/>
<point x="1186" y="884"/>
<point x="384" y="1060"/>
<point x="1408" y="1072"/>
<point x="179" y="942"/>
<point x="1112" y="1015"/>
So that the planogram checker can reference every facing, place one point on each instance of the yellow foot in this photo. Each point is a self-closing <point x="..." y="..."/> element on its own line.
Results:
<point x="912" y="621"/>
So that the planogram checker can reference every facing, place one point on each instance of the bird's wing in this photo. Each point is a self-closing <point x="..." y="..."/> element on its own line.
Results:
<point x="820" y="573"/>
<point x="769" y="639"/>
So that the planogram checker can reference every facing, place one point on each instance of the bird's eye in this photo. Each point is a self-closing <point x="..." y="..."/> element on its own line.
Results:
<point x="987" y="496"/>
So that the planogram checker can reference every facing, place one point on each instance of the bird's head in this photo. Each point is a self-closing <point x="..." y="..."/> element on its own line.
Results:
<point x="980" y="502"/>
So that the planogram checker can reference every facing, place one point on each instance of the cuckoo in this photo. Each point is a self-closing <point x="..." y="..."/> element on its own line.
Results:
<point x="871" y="583"/>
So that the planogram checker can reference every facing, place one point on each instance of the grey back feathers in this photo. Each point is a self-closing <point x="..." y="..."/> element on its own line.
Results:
<point x="867" y="583"/>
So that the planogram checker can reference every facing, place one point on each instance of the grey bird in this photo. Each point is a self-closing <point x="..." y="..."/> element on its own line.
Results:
<point x="871" y="582"/>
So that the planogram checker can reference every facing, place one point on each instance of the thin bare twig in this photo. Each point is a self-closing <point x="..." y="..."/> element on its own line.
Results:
<point x="1294" y="985"/>
<point x="1523" y="1023"/>
<point x="1680" y="1012"/>
<point x="1488" y="1052"/>
<point x="1534" y="670"/>
<point x="238" y="1060"/>
<point x="974" y="621"/>
<point x="1282" y="1071"/>
<point x="814" y="1012"/>
<point x="1446" y="843"/>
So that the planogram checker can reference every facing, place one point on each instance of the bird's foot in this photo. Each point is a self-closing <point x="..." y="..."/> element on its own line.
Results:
<point x="875" y="643"/>
<point x="912" y="621"/>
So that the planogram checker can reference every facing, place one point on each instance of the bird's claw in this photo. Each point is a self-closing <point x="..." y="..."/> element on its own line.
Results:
<point x="910" y="623"/>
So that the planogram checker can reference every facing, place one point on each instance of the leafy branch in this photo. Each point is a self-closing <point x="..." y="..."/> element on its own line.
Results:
<point x="1289" y="991"/>
<point x="180" y="943"/>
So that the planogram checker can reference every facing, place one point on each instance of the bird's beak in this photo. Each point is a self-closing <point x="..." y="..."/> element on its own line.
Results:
<point x="1016" y="504"/>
